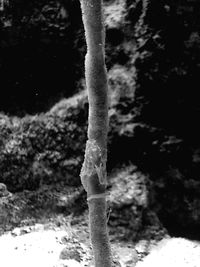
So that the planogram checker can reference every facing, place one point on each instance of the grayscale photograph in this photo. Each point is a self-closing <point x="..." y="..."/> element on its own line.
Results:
<point x="99" y="133"/>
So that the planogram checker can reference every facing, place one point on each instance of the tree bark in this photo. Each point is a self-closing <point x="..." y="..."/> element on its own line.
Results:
<point x="93" y="172"/>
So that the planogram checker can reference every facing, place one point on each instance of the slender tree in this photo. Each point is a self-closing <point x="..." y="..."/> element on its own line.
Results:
<point x="93" y="172"/>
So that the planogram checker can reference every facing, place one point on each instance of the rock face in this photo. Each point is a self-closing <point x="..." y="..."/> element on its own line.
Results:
<point x="153" y="50"/>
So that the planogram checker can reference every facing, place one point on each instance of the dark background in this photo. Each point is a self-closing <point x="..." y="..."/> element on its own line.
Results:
<point x="153" y="61"/>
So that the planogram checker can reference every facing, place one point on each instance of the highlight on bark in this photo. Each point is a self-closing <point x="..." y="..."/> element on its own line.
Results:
<point x="93" y="172"/>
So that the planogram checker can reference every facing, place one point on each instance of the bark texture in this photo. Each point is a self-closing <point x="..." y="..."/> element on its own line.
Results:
<point x="93" y="173"/>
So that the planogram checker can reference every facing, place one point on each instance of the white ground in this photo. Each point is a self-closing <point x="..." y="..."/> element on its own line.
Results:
<point x="36" y="249"/>
<point x="173" y="252"/>
<point x="42" y="248"/>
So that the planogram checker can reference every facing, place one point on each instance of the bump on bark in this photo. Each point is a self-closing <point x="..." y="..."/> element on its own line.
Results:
<point x="94" y="163"/>
<point x="93" y="172"/>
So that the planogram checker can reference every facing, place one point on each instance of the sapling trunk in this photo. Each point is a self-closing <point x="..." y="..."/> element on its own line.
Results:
<point x="93" y="173"/>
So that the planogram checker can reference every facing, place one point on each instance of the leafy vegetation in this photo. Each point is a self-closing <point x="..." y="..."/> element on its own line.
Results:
<point x="45" y="148"/>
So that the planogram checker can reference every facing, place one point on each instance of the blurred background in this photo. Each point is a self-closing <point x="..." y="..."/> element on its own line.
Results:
<point x="153" y="63"/>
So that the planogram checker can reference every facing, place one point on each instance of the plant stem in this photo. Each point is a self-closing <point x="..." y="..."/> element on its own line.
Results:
<point x="93" y="173"/>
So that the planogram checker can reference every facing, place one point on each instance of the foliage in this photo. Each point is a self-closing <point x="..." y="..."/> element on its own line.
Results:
<point x="44" y="148"/>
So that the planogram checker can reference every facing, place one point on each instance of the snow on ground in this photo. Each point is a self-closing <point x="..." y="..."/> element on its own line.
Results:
<point x="57" y="247"/>
<point x="173" y="252"/>
<point x="35" y="249"/>
<point x="41" y="249"/>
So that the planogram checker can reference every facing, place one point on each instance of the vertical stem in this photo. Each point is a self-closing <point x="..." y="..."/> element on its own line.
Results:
<point x="96" y="75"/>
<point x="98" y="233"/>
<point x="93" y="173"/>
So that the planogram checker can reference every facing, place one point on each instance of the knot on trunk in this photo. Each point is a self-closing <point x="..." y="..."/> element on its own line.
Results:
<point x="94" y="163"/>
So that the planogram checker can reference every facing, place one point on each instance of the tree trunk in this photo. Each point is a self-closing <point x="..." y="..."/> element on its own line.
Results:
<point x="93" y="173"/>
